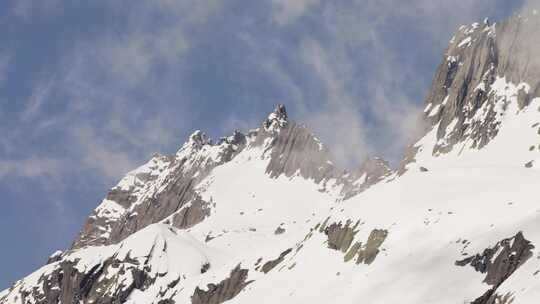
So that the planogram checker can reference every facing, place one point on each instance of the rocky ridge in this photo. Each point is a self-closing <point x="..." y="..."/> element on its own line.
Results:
<point x="486" y="67"/>
<point x="163" y="189"/>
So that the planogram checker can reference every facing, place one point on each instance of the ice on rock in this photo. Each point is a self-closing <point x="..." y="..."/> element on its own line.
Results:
<point x="276" y="119"/>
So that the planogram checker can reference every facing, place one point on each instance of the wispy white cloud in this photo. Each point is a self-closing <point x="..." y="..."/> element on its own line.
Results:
<point x="26" y="8"/>
<point x="114" y="95"/>
<point x="370" y="84"/>
<point x="124" y="91"/>
<point x="99" y="155"/>
<point x="4" y="63"/>
<point x="37" y="99"/>
<point x="32" y="167"/>
<point x="286" y="11"/>
<point x="337" y="120"/>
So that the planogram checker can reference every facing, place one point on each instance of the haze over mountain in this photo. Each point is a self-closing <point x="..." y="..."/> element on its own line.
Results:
<point x="267" y="215"/>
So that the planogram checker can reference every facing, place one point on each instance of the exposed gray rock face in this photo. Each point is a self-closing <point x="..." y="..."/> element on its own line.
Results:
<point x="294" y="149"/>
<point x="499" y="263"/>
<point x="55" y="257"/>
<point x="191" y="215"/>
<point x="279" y="230"/>
<point x="68" y="285"/>
<point x="371" y="171"/>
<point x="463" y="103"/>
<point x="276" y="120"/>
<point x="367" y="253"/>
<point x="99" y="226"/>
<point x="178" y="197"/>
<point x="112" y="274"/>
<point x="341" y="237"/>
<point x="164" y="188"/>
<point x="273" y="263"/>
<point x="224" y="290"/>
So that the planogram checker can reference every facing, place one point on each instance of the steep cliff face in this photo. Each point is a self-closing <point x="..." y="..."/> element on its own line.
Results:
<point x="160" y="188"/>
<point x="372" y="171"/>
<point x="147" y="265"/>
<point x="499" y="263"/>
<point x="486" y="70"/>
<point x="295" y="150"/>
<point x="164" y="188"/>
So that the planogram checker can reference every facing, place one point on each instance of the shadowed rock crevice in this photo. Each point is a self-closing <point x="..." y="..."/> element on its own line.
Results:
<point x="372" y="171"/>
<point x="367" y="253"/>
<point x="168" y="188"/>
<point x="268" y="266"/>
<point x="296" y="151"/>
<point x="224" y="290"/>
<point x="165" y="189"/>
<point x="191" y="215"/>
<point x="341" y="237"/>
<point x="464" y="105"/>
<point x="499" y="263"/>
<point x="67" y="285"/>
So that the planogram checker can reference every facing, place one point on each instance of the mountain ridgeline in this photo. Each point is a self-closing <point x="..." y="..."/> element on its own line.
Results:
<point x="266" y="216"/>
<point x="164" y="189"/>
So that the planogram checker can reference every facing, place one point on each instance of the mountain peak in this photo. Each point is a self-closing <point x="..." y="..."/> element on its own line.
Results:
<point x="199" y="139"/>
<point x="488" y="74"/>
<point x="277" y="119"/>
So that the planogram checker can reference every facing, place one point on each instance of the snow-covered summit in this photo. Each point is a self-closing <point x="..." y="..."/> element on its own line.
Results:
<point x="276" y="120"/>
<point x="486" y="85"/>
<point x="198" y="139"/>
<point x="173" y="182"/>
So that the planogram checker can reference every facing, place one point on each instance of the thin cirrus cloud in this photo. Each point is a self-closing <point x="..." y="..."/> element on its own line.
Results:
<point x="36" y="101"/>
<point x="33" y="167"/>
<point x="369" y="58"/>
<point x="114" y="92"/>
<point x="4" y="62"/>
<point x="119" y="87"/>
<point x="80" y="105"/>
<point x="286" y="11"/>
<point x="27" y="8"/>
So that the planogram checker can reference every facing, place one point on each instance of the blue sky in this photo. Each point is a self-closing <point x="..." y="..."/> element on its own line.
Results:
<point x="90" y="89"/>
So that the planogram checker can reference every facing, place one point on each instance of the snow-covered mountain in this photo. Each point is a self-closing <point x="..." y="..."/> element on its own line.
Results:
<point x="266" y="217"/>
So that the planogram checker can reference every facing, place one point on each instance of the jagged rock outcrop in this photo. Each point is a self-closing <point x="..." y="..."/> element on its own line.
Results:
<point x="499" y="263"/>
<point x="161" y="188"/>
<point x="164" y="188"/>
<point x="486" y="67"/>
<point x="341" y="238"/>
<point x="372" y="171"/>
<point x="268" y="266"/>
<point x="295" y="150"/>
<point x="112" y="274"/>
<point x="224" y="290"/>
